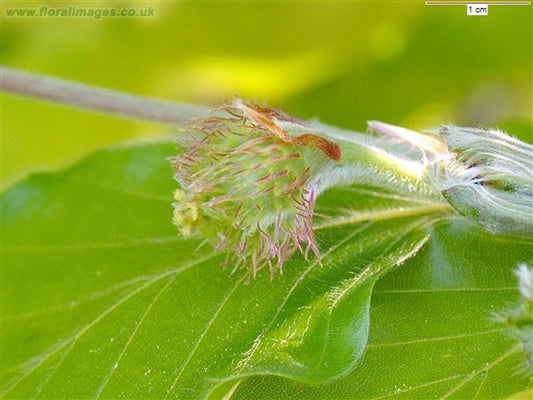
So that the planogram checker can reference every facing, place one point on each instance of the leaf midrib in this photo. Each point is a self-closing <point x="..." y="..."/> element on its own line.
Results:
<point x="382" y="215"/>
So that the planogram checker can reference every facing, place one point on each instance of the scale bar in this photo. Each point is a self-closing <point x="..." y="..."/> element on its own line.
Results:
<point x="490" y="3"/>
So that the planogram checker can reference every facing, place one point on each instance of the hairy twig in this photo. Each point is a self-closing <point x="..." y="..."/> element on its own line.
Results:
<point x="94" y="98"/>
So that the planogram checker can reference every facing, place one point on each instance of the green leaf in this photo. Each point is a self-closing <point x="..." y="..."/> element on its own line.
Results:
<point x="101" y="298"/>
<point x="433" y="333"/>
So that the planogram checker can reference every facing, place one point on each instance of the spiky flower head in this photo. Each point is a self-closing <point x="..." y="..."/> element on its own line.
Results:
<point x="246" y="184"/>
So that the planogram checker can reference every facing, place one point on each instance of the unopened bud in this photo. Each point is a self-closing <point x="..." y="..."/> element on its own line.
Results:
<point x="486" y="176"/>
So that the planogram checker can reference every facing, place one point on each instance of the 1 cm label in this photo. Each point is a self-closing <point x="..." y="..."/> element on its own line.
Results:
<point x="477" y="9"/>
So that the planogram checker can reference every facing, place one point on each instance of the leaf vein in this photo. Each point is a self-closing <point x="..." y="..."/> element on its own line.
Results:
<point x="381" y="215"/>
<point x="244" y="362"/>
<point x="368" y="273"/>
<point x="133" y="333"/>
<point x="475" y="373"/>
<point x="204" y="332"/>
<point x="425" y="340"/>
<point x="46" y="355"/>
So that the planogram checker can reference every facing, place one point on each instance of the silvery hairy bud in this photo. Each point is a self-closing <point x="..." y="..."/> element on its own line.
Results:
<point x="486" y="176"/>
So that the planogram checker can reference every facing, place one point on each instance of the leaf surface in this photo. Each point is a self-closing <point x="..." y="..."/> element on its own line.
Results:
<point x="101" y="298"/>
<point x="433" y="331"/>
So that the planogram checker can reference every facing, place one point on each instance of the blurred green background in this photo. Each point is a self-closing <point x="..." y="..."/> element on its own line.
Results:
<point x="342" y="62"/>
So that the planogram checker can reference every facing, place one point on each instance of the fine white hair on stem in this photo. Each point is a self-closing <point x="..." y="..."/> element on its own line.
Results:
<point x="83" y="96"/>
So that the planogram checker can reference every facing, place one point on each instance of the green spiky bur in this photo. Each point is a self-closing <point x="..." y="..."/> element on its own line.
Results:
<point x="247" y="190"/>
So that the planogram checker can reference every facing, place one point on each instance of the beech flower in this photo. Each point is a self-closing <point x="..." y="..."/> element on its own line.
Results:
<point x="245" y="185"/>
